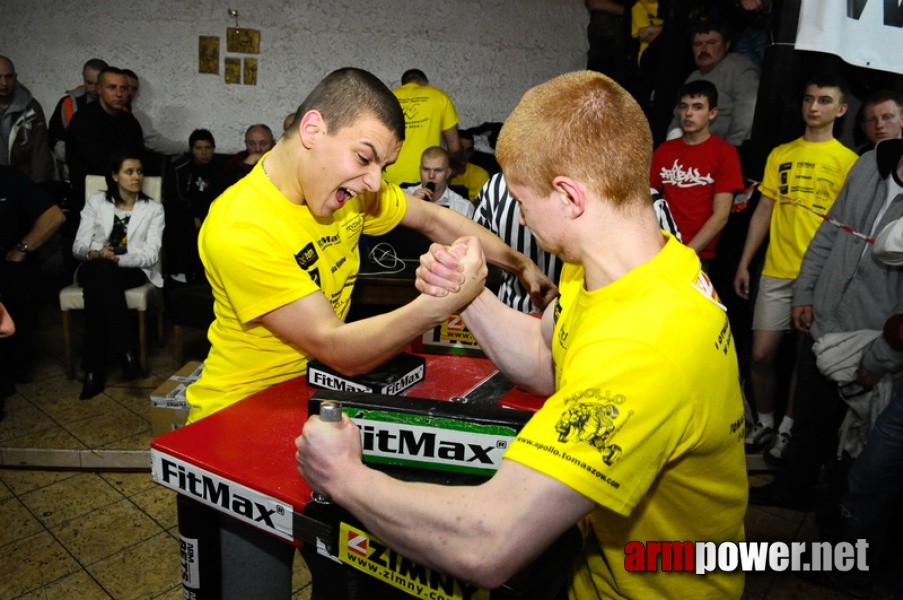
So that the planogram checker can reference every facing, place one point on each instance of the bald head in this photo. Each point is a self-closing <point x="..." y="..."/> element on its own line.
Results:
<point x="7" y="80"/>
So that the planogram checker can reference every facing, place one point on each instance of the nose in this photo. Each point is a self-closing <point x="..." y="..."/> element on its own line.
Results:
<point x="373" y="178"/>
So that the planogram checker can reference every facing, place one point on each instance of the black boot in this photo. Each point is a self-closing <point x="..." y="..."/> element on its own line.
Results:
<point x="131" y="366"/>
<point x="93" y="385"/>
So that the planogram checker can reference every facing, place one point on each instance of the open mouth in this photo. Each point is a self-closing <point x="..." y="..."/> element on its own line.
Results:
<point x="344" y="194"/>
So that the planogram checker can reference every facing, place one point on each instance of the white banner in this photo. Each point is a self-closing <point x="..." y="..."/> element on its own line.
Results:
<point x="867" y="33"/>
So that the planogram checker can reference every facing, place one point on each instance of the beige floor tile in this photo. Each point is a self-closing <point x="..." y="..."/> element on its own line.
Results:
<point x="32" y="563"/>
<point x="302" y="594"/>
<point x="300" y="574"/>
<point x="78" y="585"/>
<point x="23" y="421"/>
<point x="173" y="594"/>
<point x="105" y="531"/>
<point x="129" y="484"/>
<point x="71" y="498"/>
<point x="56" y="438"/>
<point x="5" y="492"/>
<point x="139" y="441"/>
<point x="16" y="522"/>
<point x="22" y="481"/>
<point x="66" y="408"/>
<point x="102" y="430"/>
<point x="159" y="504"/>
<point x="49" y="388"/>
<point x="158" y="561"/>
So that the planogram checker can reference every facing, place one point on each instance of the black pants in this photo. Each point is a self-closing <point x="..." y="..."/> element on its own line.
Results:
<point x="20" y="286"/>
<point x="818" y="411"/>
<point x="108" y="331"/>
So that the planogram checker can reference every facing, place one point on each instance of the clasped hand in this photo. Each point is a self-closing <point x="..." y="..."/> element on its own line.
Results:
<point x="458" y="269"/>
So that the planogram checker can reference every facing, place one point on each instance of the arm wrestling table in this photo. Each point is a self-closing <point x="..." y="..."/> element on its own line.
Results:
<point x="241" y="462"/>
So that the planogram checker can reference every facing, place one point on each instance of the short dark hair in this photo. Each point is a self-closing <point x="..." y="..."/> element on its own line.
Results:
<point x="109" y="71"/>
<point x="700" y="26"/>
<point x="829" y="79"/>
<point x="95" y="63"/>
<point x="130" y="73"/>
<point x="882" y="96"/>
<point x="465" y="134"/>
<point x="201" y="135"/>
<point x="346" y="95"/>
<point x="700" y="87"/>
<point x="415" y="75"/>
<point x="116" y="161"/>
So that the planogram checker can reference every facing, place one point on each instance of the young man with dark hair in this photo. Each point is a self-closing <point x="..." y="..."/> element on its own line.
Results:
<point x="698" y="173"/>
<point x="802" y="180"/>
<point x="430" y="120"/>
<point x="638" y="438"/>
<point x="188" y="192"/>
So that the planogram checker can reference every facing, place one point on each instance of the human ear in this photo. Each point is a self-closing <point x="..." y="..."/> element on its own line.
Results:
<point x="312" y="124"/>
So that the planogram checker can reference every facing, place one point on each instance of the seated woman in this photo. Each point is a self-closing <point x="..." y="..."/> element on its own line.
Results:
<point x="119" y="240"/>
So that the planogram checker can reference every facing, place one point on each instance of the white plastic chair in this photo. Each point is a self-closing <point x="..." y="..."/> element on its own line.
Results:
<point x="143" y="298"/>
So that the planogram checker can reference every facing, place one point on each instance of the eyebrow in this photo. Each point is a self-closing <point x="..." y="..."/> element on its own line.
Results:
<point x="374" y="150"/>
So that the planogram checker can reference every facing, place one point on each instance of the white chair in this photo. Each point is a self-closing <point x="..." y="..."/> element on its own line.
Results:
<point x="143" y="298"/>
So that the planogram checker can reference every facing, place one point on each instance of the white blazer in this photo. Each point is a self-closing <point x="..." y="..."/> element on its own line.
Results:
<point x="145" y="234"/>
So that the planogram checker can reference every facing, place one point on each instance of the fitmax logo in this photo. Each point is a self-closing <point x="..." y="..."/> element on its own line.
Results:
<point x="404" y="382"/>
<point x="319" y="378"/>
<point x="426" y="444"/>
<point x="216" y="492"/>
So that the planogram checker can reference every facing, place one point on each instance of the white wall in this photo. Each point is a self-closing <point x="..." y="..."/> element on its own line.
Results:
<point x="485" y="54"/>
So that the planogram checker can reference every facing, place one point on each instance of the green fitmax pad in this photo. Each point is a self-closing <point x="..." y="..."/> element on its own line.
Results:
<point x="428" y="434"/>
<point x="393" y="377"/>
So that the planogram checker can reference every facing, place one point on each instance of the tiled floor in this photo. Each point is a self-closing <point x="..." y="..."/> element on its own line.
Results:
<point x="79" y="533"/>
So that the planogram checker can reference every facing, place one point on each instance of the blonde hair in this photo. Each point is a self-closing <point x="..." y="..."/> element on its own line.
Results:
<point x="435" y="152"/>
<point x="582" y="125"/>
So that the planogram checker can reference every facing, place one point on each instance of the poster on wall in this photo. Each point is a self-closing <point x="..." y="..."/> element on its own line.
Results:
<point x="866" y="33"/>
<point x="245" y="41"/>
<point x="233" y="70"/>
<point x="249" y="73"/>
<point x="208" y="54"/>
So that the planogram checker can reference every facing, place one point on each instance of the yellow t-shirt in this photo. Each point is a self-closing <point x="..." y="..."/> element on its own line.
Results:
<point x="643" y="14"/>
<point x="473" y="178"/>
<point x="261" y="252"/>
<point x="428" y="111"/>
<point x="647" y="421"/>
<point x="811" y="173"/>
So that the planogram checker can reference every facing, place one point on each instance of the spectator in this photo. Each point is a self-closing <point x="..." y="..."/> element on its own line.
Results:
<point x="100" y="130"/>
<point x="258" y="141"/>
<point x="188" y="192"/>
<point x="735" y="77"/>
<point x="802" y="179"/>
<point x="607" y="37"/>
<point x="698" y="173"/>
<point x="23" y="130"/>
<point x="28" y="218"/>
<point x="119" y="240"/>
<point x="67" y="106"/>
<point x="471" y="176"/>
<point x="843" y="288"/>
<point x="882" y="118"/>
<point x="153" y="139"/>
<point x="434" y="174"/>
<point x="430" y="118"/>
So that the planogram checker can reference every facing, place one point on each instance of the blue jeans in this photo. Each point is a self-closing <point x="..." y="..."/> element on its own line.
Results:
<point x="874" y="483"/>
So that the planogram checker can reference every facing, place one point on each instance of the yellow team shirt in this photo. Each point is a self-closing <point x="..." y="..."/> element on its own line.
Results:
<point x="473" y="178"/>
<point x="428" y="111"/>
<point x="261" y="252"/>
<point x="643" y="14"/>
<point x="811" y="173"/>
<point x="647" y="421"/>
